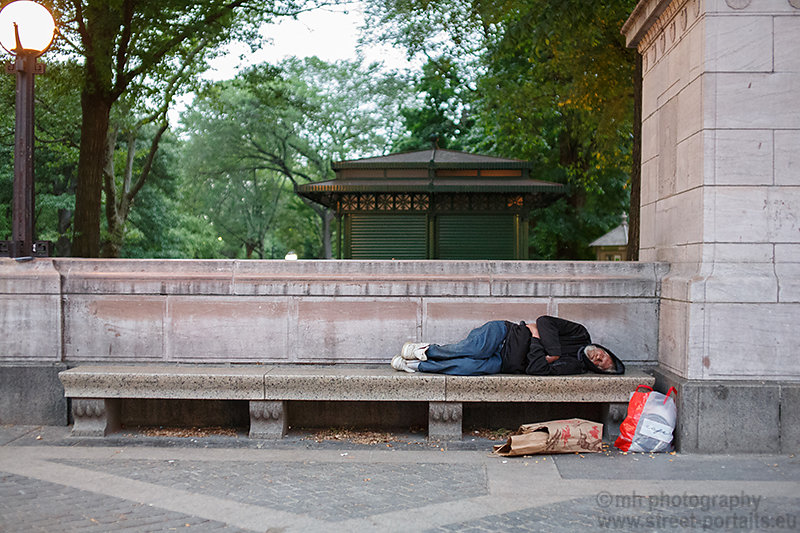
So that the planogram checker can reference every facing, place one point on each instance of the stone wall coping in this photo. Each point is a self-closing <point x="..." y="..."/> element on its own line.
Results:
<point x="338" y="383"/>
<point x="332" y="278"/>
<point x="28" y="277"/>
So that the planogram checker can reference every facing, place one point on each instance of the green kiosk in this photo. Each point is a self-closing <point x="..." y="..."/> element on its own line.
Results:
<point x="432" y="204"/>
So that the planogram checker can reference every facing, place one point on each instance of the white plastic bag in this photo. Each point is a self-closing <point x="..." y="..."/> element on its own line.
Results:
<point x="656" y="424"/>
<point x="649" y="422"/>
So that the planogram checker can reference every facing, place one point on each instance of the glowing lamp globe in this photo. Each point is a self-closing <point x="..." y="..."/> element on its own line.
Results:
<point x="26" y="27"/>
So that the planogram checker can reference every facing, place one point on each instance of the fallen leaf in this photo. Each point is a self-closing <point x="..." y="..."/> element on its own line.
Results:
<point x="166" y="431"/>
<point x="354" y="436"/>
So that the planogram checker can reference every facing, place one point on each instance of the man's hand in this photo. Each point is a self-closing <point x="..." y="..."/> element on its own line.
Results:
<point x="551" y="358"/>
<point x="534" y="330"/>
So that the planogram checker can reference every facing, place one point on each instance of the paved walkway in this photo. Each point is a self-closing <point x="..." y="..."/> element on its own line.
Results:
<point x="50" y="482"/>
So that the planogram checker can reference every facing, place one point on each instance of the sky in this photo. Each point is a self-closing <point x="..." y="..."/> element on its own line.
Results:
<point x="330" y="34"/>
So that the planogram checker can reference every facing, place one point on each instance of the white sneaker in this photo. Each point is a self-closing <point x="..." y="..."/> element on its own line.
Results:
<point x="398" y="363"/>
<point x="415" y="350"/>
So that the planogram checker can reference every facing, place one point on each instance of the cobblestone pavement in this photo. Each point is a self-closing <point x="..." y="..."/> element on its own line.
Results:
<point x="308" y="487"/>
<point x="50" y="482"/>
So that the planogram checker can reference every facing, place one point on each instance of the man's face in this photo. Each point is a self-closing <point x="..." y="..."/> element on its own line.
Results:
<point x="600" y="359"/>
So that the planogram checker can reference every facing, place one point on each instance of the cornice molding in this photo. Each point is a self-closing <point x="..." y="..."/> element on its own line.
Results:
<point x="643" y="16"/>
<point x="675" y="19"/>
<point x="660" y="24"/>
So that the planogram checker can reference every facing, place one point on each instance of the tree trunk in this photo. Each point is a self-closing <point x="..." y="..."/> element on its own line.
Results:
<point x="112" y="248"/>
<point x="634" y="217"/>
<point x="64" y="244"/>
<point x="94" y="131"/>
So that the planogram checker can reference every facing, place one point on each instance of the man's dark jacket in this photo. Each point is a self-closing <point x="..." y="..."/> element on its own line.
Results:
<point x="525" y="354"/>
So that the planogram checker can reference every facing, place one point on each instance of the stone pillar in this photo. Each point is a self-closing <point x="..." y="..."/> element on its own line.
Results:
<point x="444" y="420"/>
<point x="268" y="419"/>
<point x="721" y="203"/>
<point x="31" y="343"/>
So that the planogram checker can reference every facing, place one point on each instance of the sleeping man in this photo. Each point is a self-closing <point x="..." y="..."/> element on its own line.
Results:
<point x="551" y="346"/>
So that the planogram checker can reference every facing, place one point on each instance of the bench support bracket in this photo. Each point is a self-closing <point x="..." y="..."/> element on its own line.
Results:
<point x="444" y="420"/>
<point x="95" y="417"/>
<point x="268" y="419"/>
<point x="613" y="415"/>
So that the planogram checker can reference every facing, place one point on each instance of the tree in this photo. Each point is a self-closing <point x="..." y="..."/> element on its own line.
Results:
<point x="161" y="226"/>
<point x="274" y="128"/>
<point x="551" y="82"/>
<point x="635" y="218"/>
<point x="241" y="150"/>
<point x="139" y="117"/>
<point x="442" y="110"/>
<point x="123" y="43"/>
<point x="567" y="61"/>
<point x="158" y="227"/>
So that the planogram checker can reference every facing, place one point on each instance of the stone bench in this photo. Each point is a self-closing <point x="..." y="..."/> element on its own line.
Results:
<point x="96" y="391"/>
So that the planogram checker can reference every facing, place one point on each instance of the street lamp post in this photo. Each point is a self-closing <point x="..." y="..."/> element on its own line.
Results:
<point x="26" y="31"/>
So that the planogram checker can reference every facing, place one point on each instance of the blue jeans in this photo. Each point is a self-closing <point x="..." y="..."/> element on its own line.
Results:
<point x="478" y="354"/>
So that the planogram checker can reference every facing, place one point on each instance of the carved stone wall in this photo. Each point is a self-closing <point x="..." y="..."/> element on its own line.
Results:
<point x="55" y="311"/>
<point x="721" y="181"/>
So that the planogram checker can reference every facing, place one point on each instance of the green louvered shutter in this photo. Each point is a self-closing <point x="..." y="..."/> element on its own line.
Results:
<point x="388" y="236"/>
<point x="476" y="237"/>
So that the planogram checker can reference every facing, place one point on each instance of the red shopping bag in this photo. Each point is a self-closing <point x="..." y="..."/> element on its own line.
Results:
<point x="649" y="423"/>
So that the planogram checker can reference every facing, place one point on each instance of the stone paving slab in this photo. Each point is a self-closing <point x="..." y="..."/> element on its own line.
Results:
<point x="50" y="482"/>
<point x="656" y="466"/>
<point x="323" y="490"/>
<point x="9" y="433"/>
<point x="582" y="514"/>
<point x="28" y="504"/>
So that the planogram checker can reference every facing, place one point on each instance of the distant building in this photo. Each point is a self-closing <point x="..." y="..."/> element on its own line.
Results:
<point x="432" y="204"/>
<point x="613" y="245"/>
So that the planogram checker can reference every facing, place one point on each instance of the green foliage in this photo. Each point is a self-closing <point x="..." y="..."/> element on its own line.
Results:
<point x="159" y="225"/>
<point x="225" y="180"/>
<point x="162" y="228"/>
<point x="298" y="230"/>
<point x="252" y="139"/>
<point x="134" y="53"/>
<point x="441" y="111"/>
<point x="559" y="91"/>
<point x="349" y="109"/>
<point x="545" y="80"/>
<point x="6" y="192"/>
